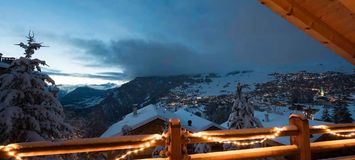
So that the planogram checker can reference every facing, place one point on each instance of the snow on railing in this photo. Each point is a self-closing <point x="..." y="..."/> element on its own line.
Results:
<point x="177" y="138"/>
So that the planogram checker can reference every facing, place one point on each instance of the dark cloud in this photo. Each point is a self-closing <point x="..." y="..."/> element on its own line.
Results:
<point x="205" y="36"/>
<point x="101" y="75"/>
<point x="146" y="58"/>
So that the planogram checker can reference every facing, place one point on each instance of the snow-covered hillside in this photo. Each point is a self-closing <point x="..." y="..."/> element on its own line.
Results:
<point x="214" y="84"/>
<point x="83" y="97"/>
<point x="65" y="89"/>
<point x="203" y="94"/>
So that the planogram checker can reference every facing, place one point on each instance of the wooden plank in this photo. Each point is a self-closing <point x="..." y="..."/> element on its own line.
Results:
<point x="341" y="158"/>
<point x="82" y="145"/>
<point x="319" y="30"/>
<point x="349" y="4"/>
<point x="318" y="7"/>
<point x="270" y="151"/>
<point x="332" y="145"/>
<point x="346" y="127"/>
<point x="154" y="159"/>
<point x="302" y="139"/>
<point x="247" y="153"/>
<point x="129" y="142"/>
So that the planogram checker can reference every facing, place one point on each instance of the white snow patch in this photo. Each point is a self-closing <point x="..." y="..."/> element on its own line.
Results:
<point x="223" y="84"/>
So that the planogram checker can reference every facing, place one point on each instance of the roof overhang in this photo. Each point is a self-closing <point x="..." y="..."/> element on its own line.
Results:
<point x="331" y="22"/>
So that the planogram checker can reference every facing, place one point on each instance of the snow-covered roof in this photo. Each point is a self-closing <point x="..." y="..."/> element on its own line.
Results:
<point x="144" y="115"/>
<point x="152" y="112"/>
<point x="280" y="120"/>
<point x="198" y="123"/>
<point x="4" y="65"/>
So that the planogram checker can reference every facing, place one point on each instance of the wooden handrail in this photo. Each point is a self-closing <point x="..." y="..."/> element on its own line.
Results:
<point x="82" y="145"/>
<point x="345" y="127"/>
<point x="243" y="134"/>
<point x="247" y="153"/>
<point x="332" y="145"/>
<point x="296" y="129"/>
<point x="270" y="151"/>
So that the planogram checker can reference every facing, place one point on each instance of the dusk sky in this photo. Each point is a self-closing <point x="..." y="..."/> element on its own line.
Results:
<point x="104" y="41"/>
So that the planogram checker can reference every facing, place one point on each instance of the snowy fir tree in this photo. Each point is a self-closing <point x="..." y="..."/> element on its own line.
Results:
<point x="29" y="110"/>
<point x="242" y="115"/>
<point x="341" y="114"/>
<point x="326" y="115"/>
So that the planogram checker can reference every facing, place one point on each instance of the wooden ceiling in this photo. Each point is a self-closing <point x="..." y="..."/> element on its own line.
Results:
<point x="331" y="22"/>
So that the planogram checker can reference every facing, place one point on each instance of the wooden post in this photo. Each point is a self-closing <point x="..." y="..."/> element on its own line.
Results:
<point x="302" y="139"/>
<point x="175" y="146"/>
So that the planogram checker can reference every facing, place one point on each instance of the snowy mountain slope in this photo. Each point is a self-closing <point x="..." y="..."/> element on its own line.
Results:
<point x="119" y="101"/>
<point x="220" y="84"/>
<point x="65" y="89"/>
<point x="83" y="97"/>
<point x="148" y="90"/>
<point x="214" y="93"/>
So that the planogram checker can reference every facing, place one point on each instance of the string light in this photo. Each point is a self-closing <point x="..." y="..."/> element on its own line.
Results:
<point x="329" y="131"/>
<point x="142" y="147"/>
<point x="9" y="149"/>
<point x="261" y="139"/>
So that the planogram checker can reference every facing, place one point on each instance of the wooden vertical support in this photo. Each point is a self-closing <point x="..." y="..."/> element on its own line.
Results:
<point x="302" y="139"/>
<point x="175" y="146"/>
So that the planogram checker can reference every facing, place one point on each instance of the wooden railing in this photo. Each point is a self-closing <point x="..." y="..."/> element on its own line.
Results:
<point x="177" y="138"/>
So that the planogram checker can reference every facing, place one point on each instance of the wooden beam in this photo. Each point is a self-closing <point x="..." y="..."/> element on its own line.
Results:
<point x="302" y="139"/>
<point x="175" y="146"/>
<point x="310" y="24"/>
<point x="81" y="145"/>
<point x="345" y="127"/>
<point x="270" y="151"/>
<point x="44" y="148"/>
<point x="341" y="158"/>
<point x="332" y="145"/>
<point x="349" y="4"/>
<point x="247" y="153"/>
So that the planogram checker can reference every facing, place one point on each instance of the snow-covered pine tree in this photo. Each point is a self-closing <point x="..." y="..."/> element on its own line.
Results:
<point x="242" y="115"/>
<point x="325" y="115"/>
<point x="341" y="114"/>
<point x="29" y="111"/>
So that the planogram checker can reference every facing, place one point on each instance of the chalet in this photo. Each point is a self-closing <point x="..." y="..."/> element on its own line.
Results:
<point x="3" y="67"/>
<point x="154" y="118"/>
<point x="5" y="63"/>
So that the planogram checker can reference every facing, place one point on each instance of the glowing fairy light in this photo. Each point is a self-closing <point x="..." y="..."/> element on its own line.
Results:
<point x="329" y="131"/>
<point x="142" y="147"/>
<point x="9" y="150"/>
<point x="261" y="139"/>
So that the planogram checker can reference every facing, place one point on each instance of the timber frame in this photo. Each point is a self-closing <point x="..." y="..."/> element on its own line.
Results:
<point x="331" y="22"/>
